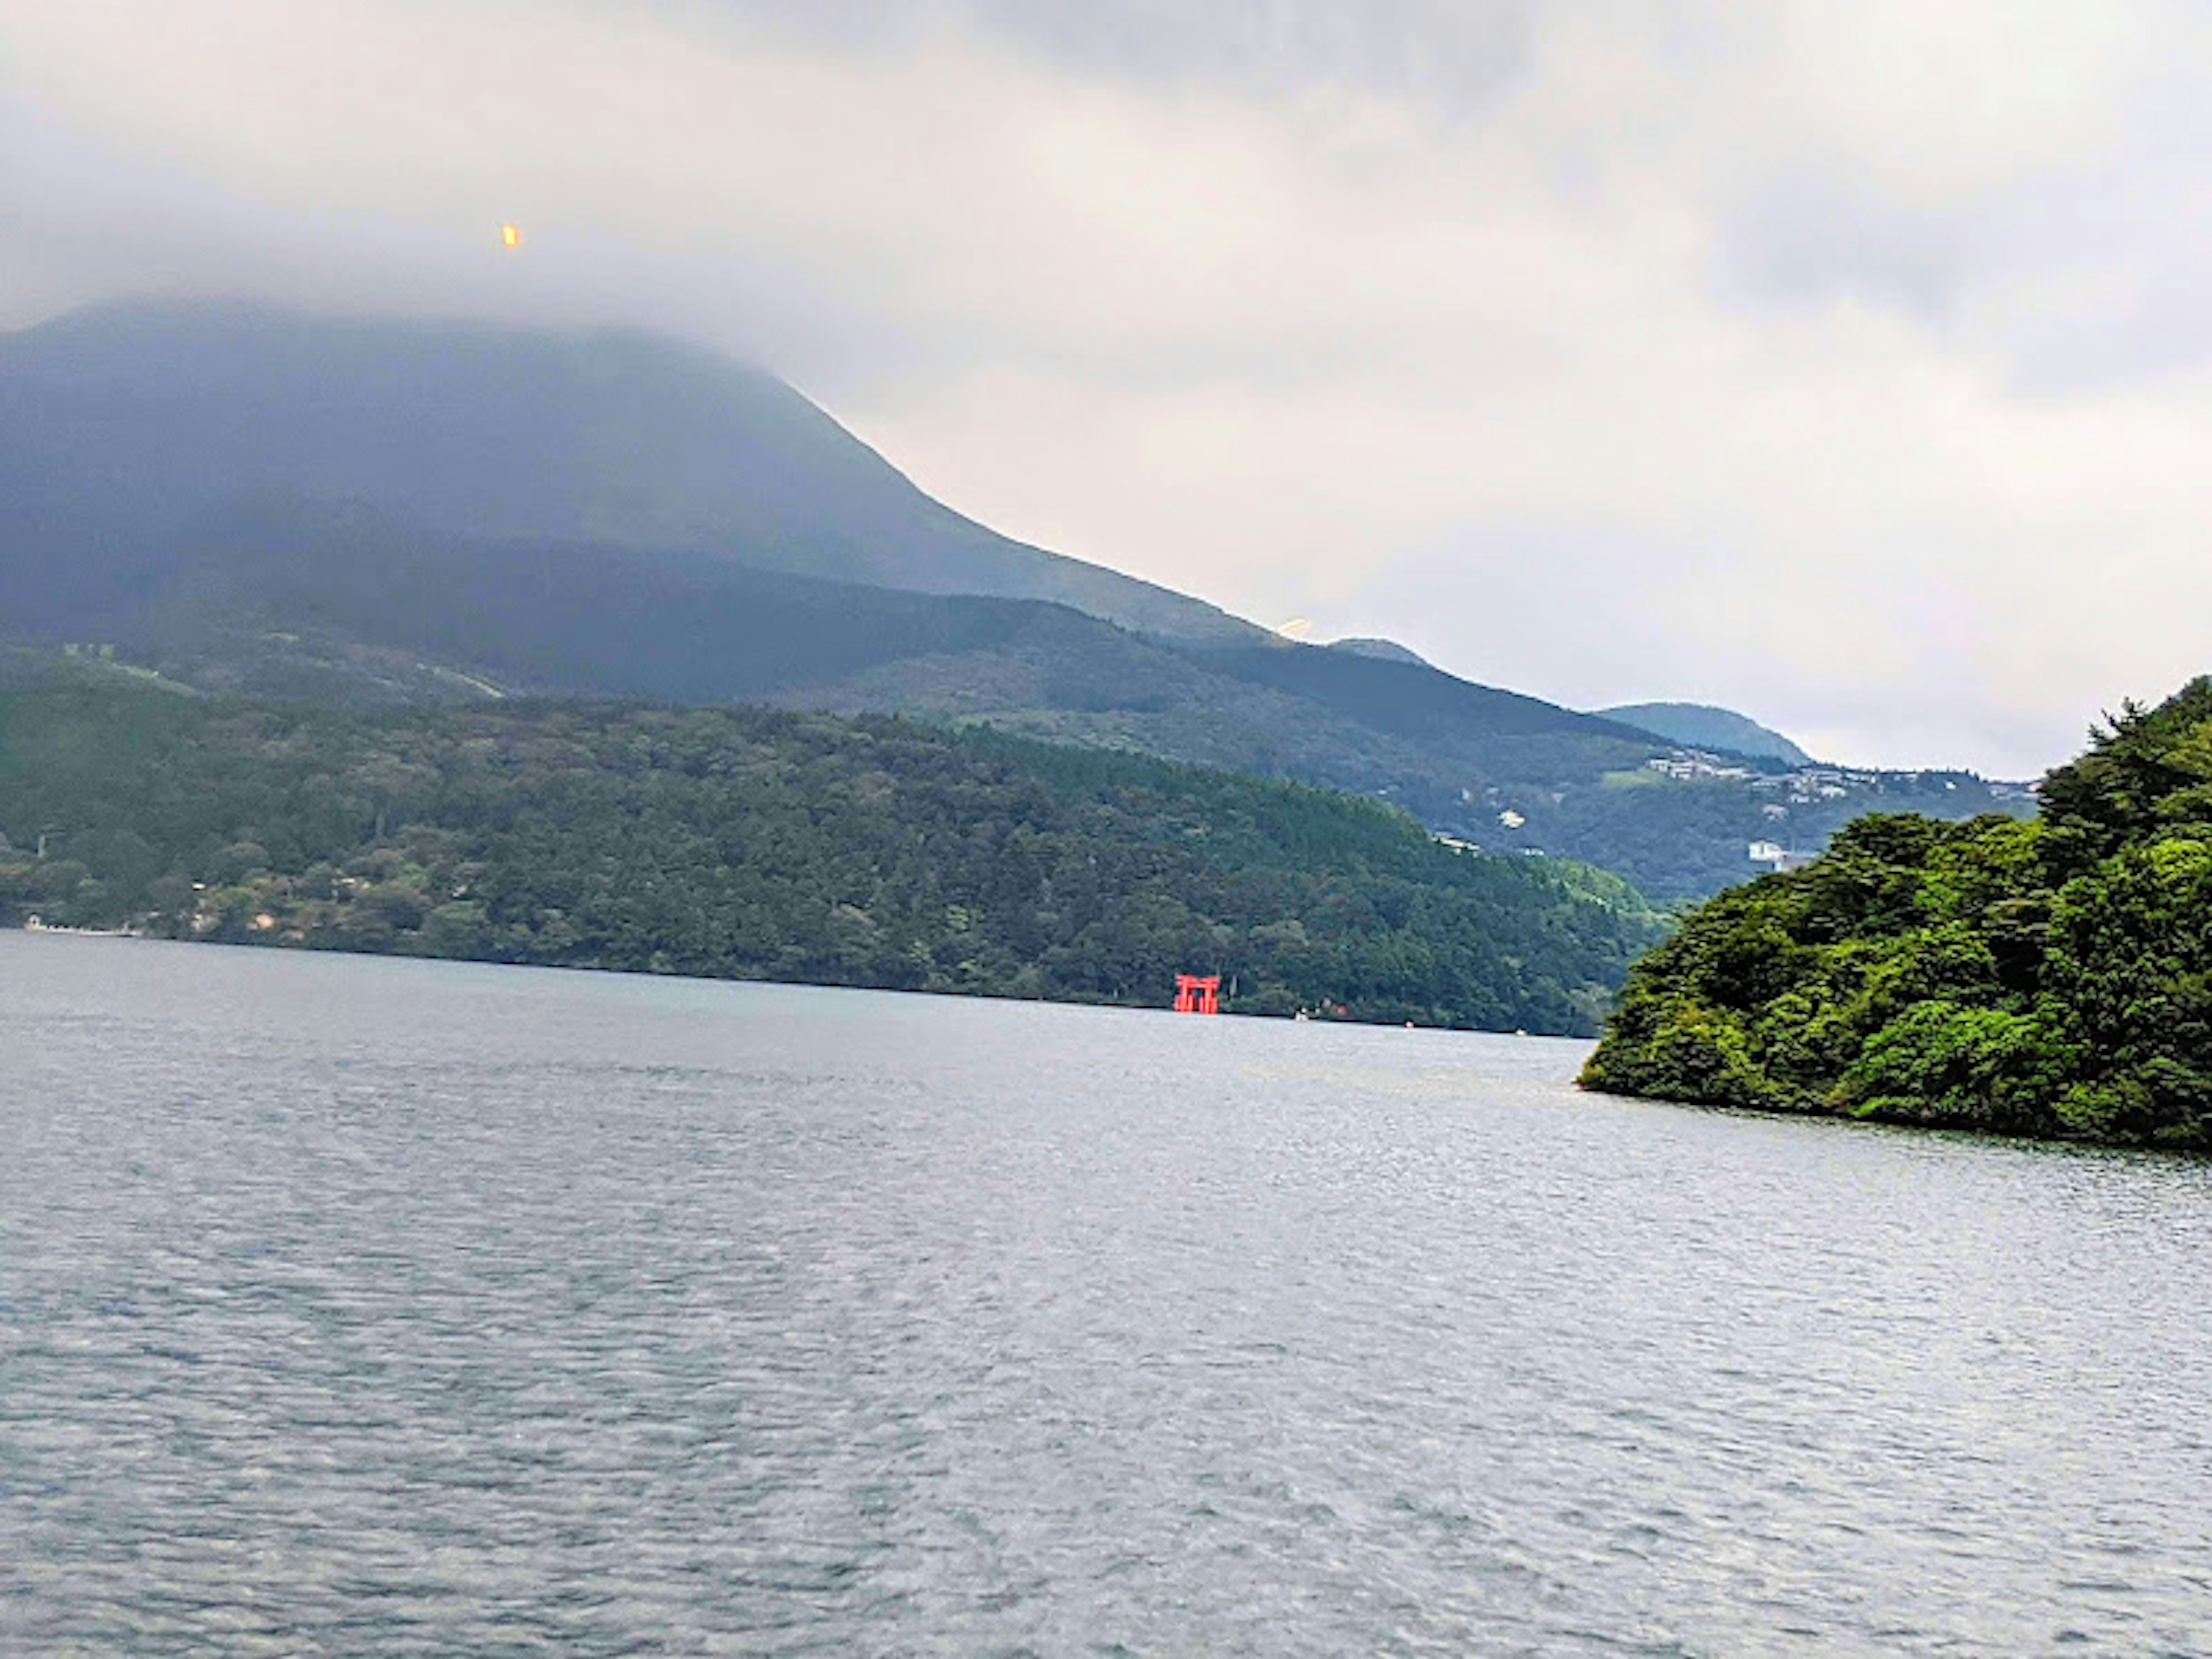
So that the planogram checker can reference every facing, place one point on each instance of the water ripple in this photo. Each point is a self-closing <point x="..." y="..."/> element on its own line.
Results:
<point x="356" y="1306"/>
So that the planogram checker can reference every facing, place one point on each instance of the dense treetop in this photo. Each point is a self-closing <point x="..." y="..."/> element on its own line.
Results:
<point x="2050" y="977"/>
<point x="760" y="844"/>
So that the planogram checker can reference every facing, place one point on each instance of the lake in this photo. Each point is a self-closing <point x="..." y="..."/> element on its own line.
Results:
<point x="361" y="1306"/>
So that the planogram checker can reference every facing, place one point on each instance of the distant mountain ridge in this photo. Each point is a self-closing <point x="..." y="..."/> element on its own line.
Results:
<point x="1702" y="726"/>
<point x="363" y="512"/>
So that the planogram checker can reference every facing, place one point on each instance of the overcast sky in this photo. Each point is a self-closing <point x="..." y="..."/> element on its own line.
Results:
<point x="1848" y="364"/>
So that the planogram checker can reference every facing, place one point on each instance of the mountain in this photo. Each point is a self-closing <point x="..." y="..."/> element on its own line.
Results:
<point x="282" y="598"/>
<point x="1701" y="725"/>
<point x="2051" y="977"/>
<point x="749" y="843"/>
<point x="362" y="512"/>
<point x="278" y="597"/>
<point x="121" y="425"/>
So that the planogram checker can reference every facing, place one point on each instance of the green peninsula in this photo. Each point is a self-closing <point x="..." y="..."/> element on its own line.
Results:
<point x="2049" y="977"/>
<point x="755" y="843"/>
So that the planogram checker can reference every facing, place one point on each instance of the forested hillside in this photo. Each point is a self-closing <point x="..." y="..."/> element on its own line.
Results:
<point x="2049" y="978"/>
<point x="759" y="844"/>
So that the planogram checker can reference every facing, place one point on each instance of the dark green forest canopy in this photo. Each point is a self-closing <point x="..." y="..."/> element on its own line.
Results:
<point x="758" y="844"/>
<point x="2050" y="978"/>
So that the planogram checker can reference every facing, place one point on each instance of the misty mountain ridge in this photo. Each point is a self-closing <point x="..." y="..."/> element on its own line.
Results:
<point x="354" y="511"/>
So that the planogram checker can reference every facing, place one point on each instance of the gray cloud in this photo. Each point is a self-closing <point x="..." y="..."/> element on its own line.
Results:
<point x="2064" y="285"/>
<point x="1452" y="53"/>
<point x="1809" y="239"/>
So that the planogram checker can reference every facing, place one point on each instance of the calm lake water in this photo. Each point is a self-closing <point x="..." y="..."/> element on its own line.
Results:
<point x="354" y="1306"/>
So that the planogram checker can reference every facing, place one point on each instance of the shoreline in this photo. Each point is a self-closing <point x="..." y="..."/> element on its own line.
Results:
<point x="309" y="947"/>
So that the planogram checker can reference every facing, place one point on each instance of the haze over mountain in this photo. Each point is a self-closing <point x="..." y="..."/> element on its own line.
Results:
<point x="132" y="421"/>
<point x="356" y="511"/>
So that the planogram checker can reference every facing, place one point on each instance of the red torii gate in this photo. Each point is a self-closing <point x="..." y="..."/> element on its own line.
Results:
<point x="1198" y="994"/>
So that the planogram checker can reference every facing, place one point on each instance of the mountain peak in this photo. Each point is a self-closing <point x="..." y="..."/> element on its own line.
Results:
<point x="1382" y="650"/>
<point x="1703" y="726"/>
